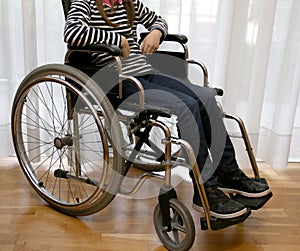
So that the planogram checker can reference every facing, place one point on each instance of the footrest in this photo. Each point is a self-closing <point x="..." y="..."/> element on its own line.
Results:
<point x="253" y="203"/>
<point x="217" y="223"/>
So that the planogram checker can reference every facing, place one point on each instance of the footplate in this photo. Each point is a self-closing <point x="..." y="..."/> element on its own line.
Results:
<point x="253" y="203"/>
<point x="217" y="223"/>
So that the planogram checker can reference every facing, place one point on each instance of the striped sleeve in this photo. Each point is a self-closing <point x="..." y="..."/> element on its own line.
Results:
<point x="78" y="30"/>
<point x="150" y="19"/>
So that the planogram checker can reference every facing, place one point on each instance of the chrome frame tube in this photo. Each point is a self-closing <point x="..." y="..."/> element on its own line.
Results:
<point x="167" y="143"/>
<point x="247" y="143"/>
<point x="139" y="86"/>
<point x="204" y="70"/>
<point x="197" y="175"/>
<point x="140" y="182"/>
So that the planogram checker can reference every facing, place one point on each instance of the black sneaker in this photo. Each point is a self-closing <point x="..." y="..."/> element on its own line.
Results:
<point x="238" y="182"/>
<point x="221" y="206"/>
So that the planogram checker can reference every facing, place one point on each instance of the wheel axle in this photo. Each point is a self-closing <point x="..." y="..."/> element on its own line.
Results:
<point x="65" y="141"/>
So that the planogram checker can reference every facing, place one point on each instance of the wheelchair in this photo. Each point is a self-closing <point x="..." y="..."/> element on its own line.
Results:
<point x="75" y="147"/>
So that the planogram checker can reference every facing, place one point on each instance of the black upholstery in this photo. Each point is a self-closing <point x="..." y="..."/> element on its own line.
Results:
<point x="114" y="50"/>
<point x="171" y="63"/>
<point x="66" y="6"/>
<point x="179" y="38"/>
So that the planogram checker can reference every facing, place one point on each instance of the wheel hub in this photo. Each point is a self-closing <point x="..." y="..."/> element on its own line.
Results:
<point x="64" y="141"/>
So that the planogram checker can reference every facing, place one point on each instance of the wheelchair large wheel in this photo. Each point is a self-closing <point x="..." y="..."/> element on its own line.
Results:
<point x="182" y="234"/>
<point x="61" y="142"/>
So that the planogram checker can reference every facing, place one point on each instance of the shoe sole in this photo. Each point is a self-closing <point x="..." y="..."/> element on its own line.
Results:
<point x="221" y="216"/>
<point x="250" y="195"/>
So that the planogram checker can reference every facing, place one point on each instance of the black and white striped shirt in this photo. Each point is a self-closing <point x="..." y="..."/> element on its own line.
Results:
<point x="85" y="26"/>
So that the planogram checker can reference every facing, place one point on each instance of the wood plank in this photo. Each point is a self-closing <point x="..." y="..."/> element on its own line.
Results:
<point x="27" y="223"/>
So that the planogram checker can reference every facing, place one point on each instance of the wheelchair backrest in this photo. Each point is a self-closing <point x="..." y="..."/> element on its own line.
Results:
<point x="173" y="63"/>
<point x="66" y="6"/>
<point x="170" y="63"/>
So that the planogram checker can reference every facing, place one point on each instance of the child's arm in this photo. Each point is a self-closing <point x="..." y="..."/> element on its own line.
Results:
<point x="77" y="31"/>
<point x="151" y="42"/>
<point x="150" y="19"/>
<point x="157" y="25"/>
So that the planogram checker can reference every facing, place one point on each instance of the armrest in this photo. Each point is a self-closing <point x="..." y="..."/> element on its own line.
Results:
<point x="111" y="49"/>
<point x="179" y="38"/>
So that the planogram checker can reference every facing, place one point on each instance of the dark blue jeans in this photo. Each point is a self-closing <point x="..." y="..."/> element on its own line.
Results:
<point x="198" y="118"/>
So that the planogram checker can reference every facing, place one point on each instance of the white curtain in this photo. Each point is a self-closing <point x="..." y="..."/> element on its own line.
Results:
<point x="251" y="48"/>
<point x="30" y="35"/>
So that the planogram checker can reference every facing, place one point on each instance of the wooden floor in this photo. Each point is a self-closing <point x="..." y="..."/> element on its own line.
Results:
<point x="27" y="223"/>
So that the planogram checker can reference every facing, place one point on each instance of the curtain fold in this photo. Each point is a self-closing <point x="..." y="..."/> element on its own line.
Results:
<point x="29" y="23"/>
<point x="248" y="62"/>
<point x="11" y="66"/>
<point x="250" y="47"/>
<point x="282" y="88"/>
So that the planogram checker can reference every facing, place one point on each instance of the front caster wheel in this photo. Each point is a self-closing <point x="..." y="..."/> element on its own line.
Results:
<point x="182" y="234"/>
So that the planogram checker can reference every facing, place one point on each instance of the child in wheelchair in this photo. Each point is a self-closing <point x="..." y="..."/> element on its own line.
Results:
<point x="114" y="22"/>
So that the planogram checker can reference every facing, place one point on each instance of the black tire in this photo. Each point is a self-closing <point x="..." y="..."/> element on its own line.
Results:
<point x="182" y="234"/>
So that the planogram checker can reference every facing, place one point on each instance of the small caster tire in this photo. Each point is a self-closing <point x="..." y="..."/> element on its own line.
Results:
<point x="182" y="234"/>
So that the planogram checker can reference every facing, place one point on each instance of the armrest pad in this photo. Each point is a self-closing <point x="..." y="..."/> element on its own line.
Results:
<point x="179" y="38"/>
<point x="111" y="49"/>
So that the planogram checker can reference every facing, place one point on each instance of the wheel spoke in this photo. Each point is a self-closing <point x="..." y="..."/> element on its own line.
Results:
<point x="179" y="228"/>
<point x="182" y="234"/>
<point x="176" y="236"/>
<point x="60" y="139"/>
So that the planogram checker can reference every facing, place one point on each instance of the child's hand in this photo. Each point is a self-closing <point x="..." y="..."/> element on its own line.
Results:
<point x="151" y="42"/>
<point x="125" y="50"/>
